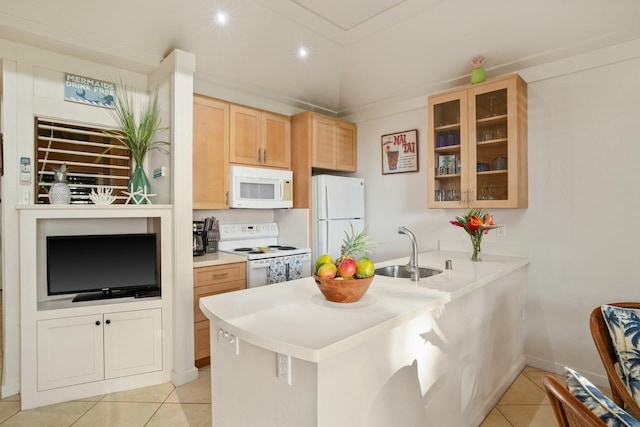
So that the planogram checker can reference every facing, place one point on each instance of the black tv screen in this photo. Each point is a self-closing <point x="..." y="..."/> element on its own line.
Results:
<point x="102" y="264"/>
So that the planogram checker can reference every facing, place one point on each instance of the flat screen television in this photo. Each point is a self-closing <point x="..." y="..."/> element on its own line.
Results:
<point x="102" y="266"/>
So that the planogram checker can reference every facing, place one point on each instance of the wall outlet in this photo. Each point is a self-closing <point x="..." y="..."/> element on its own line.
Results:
<point x="284" y="367"/>
<point x="501" y="231"/>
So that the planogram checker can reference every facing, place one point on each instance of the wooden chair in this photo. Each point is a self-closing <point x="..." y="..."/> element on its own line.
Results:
<point x="570" y="412"/>
<point x="600" y="333"/>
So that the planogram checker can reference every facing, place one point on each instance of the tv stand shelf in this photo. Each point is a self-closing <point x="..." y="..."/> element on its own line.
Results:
<point x="73" y="350"/>
<point x="73" y="308"/>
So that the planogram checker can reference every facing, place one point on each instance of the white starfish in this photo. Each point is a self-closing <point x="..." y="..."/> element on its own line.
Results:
<point x="139" y="193"/>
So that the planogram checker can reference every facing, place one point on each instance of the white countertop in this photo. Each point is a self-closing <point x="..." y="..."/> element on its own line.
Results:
<point x="294" y="318"/>
<point x="216" y="258"/>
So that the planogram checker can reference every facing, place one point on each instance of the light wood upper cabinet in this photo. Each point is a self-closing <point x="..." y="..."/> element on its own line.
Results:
<point x="259" y="138"/>
<point x="333" y="144"/>
<point x="210" y="153"/>
<point x="346" y="147"/>
<point x="276" y="140"/>
<point x="320" y="142"/>
<point x="477" y="145"/>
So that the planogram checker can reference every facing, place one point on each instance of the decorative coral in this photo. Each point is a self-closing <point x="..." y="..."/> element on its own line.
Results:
<point x="101" y="195"/>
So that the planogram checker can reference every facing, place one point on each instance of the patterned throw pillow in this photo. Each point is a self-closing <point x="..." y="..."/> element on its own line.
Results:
<point x="624" y="328"/>
<point x="598" y="403"/>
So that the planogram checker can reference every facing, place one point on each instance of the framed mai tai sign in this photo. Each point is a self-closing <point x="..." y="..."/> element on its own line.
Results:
<point x="400" y="152"/>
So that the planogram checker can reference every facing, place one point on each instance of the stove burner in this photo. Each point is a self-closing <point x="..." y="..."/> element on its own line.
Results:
<point x="255" y="252"/>
<point x="244" y="250"/>
<point x="275" y="246"/>
<point x="287" y="248"/>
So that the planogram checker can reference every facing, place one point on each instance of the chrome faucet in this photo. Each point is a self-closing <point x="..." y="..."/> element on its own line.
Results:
<point x="412" y="267"/>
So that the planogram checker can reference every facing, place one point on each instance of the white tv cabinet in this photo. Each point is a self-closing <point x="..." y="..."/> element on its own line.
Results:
<point x="76" y="350"/>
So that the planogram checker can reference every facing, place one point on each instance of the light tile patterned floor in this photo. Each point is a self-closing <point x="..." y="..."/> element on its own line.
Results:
<point x="158" y="406"/>
<point x="524" y="404"/>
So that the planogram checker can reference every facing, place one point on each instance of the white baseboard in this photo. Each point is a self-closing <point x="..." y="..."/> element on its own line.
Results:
<point x="10" y="389"/>
<point x="181" y="378"/>
<point x="597" y="378"/>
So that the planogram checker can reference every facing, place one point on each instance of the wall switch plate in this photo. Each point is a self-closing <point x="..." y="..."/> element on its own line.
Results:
<point x="284" y="367"/>
<point x="501" y="231"/>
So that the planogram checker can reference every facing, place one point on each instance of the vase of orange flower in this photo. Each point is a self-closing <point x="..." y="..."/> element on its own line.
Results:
<point x="476" y="223"/>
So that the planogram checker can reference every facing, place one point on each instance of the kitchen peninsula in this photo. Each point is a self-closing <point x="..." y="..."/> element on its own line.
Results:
<point x="437" y="352"/>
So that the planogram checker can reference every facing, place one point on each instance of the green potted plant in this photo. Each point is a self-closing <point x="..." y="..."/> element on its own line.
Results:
<point x="136" y="134"/>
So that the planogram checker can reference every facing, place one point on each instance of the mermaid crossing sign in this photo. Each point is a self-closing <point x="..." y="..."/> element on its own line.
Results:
<point x="89" y="91"/>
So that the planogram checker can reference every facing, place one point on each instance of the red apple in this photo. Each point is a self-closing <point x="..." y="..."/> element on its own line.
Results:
<point x="347" y="268"/>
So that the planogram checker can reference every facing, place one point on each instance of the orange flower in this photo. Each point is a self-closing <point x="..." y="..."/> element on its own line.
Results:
<point x="474" y="221"/>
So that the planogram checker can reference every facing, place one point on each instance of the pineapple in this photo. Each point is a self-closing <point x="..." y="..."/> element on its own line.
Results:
<point x="353" y="246"/>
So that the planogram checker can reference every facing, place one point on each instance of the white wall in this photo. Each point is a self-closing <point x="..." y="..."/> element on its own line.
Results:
<point x="583" y="199"/>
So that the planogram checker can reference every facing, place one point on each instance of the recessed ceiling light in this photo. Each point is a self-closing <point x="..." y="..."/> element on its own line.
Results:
<point x="303" y="52"/>
<point x="221" y="17"/>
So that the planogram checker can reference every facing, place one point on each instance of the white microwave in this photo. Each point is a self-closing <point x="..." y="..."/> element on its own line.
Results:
<point x="260" y="188"/>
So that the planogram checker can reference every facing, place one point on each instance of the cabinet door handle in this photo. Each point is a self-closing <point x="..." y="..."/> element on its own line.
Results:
<point x="265" y="155"/>
<point x="217" y="275"/>
<point x="97" y="323"/>
<point x="259" y="155"/>
<point x="108" y="322"/>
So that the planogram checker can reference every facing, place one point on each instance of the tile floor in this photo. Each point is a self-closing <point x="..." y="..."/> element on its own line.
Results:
<point x="524" y="404"/>
<point x="157" y="406"/>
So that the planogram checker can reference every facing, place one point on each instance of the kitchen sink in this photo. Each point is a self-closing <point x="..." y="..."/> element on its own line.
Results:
<point x="400" y="271"/>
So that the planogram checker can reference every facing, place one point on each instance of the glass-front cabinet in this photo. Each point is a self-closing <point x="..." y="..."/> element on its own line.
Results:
<point x="477" y="146"/>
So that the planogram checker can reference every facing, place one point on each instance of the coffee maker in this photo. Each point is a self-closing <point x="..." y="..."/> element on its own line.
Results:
<point x="198" y="238"/>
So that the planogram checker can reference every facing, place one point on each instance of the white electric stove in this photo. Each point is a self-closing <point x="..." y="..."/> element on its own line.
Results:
<point x="268" y="260"/>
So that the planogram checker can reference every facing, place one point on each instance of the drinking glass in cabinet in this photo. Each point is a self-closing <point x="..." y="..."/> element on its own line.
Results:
<point x="492" y="104"/>
<point x="487" y="192"/>
<point x="500" y="163"/>
<point x="487" y="134"/>
<point x="453" y="139"/>
<point x="447" y="195"/>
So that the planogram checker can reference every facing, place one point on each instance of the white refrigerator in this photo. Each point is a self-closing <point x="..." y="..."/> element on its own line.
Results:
<point x="337" y="202"/>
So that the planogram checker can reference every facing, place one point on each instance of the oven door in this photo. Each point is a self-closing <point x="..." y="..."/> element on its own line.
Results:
<point x="285" y="268"/>
<point x="268" y="271"/>
<point x="257" y="273"/>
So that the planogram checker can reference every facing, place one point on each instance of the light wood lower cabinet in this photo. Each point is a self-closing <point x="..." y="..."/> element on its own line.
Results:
<point x="210" y="281"/>
<point x="83" y="349"/>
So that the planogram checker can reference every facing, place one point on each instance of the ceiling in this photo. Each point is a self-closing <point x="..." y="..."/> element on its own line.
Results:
<point x="362" y="53"/>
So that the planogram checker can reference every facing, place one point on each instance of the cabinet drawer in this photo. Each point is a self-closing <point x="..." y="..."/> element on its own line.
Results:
<point x="219" y="274"/>
<point x="218" y="288"/>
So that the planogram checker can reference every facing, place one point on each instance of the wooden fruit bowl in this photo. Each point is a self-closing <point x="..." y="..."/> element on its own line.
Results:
<point x="343" y="290"/>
